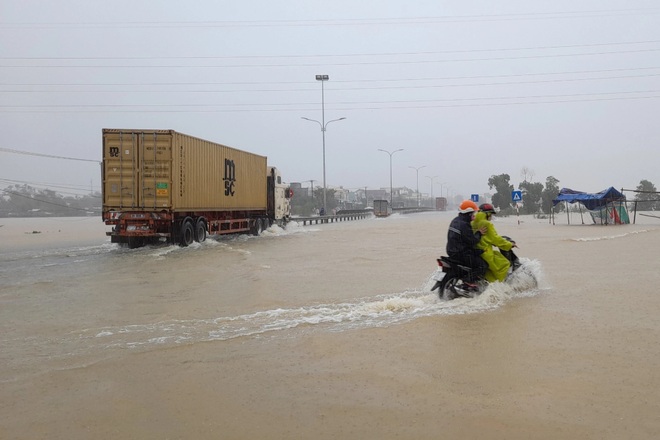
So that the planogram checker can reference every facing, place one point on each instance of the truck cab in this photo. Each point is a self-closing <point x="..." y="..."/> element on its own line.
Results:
<point x="279" y="197"/>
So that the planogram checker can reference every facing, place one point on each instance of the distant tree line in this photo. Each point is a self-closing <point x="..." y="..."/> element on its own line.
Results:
<point x="26" y="201"/>
<point x="647" y="196"/>
<point x="537" y="197"/>
<point x="303" y="204"/>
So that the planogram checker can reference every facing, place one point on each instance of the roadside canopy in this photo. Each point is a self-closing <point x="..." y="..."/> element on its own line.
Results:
<point x="607" y="206"/>
<point x="591" y="201"/>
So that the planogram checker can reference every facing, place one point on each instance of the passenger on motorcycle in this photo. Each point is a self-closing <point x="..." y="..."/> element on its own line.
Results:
<point x="462" y="241"/>
<point x="498" y="264"/>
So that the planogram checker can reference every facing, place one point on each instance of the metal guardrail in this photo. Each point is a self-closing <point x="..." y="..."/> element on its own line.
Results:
<point x="412" y="210"/>
<point x="352" y="215"/>
<point x="332" y="218"/>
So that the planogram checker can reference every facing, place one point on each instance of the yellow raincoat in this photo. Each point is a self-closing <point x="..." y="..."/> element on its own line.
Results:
<point x="498" y="265"/>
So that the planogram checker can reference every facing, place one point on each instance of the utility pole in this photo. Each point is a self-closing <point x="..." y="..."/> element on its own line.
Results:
<point x="311" y="182"/>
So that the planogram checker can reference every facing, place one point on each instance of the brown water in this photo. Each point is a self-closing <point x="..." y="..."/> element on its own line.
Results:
<point x="326" y="332"/>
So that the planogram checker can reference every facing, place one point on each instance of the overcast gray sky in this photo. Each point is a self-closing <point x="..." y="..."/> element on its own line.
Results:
<point x="468" y="89"/>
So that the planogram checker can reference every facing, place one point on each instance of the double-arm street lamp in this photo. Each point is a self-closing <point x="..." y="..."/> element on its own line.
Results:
<point x="447" y="194"/>
<point x="417" y="170"/>
<point x="441" y="184"/>
<point x="391" y="153"/>
<point x="323" y="125"/>
<point x="432" y="179"/>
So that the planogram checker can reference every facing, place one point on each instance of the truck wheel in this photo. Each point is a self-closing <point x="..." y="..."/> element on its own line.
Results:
<point x="187" y="234"/>
<point x="258" y="227"/>
<point x="135" y="242"/>
<point x="200" y="230"/>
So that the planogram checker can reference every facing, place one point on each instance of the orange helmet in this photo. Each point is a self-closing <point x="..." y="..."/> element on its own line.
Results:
<point x="467" y="206"/>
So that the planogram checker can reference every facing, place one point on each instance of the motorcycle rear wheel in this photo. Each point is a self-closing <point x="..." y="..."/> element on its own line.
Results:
<point x="452" y="287"/>
<point x="447" y="288"/>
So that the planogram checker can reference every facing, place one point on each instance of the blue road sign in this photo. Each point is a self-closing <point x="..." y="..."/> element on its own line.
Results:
<point x="516" y="196"/>
<point x="474" y="198"/>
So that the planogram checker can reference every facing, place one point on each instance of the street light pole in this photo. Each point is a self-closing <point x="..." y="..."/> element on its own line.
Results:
<point x="323" y="128"/>
<point x="323" y="125"/>
<point x="432" y="182"/>
<point x="391" y="153"/>
<point x="323" y="79"/>
<point x="417" y="170"/>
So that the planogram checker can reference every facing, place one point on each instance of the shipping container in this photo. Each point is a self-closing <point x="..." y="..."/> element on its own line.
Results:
<point x="163" y="169"/>
<point x="152" y="177"/>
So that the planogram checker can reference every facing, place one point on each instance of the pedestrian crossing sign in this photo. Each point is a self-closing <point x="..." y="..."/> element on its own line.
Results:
<point x="516" y="196"/>
<point x="474" y="198"/>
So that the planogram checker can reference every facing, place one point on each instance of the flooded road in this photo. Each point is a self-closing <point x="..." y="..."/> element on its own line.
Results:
<point x="295" y="333"/>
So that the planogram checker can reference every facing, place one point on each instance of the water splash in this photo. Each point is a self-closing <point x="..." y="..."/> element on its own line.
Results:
<point x="227" y="242"/>
<point x="376" y="311"/>
<point x="610" y="237"/>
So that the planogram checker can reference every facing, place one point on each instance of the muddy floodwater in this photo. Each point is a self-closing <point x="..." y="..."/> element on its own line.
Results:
<point x="327" y="332"/>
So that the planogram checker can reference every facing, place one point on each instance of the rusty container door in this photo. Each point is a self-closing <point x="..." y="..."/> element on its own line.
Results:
<point x="137" y="170"/>
<point x="156" y="170"/>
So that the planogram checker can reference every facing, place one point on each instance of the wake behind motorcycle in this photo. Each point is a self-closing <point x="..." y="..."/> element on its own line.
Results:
<point x="454" y="280"/>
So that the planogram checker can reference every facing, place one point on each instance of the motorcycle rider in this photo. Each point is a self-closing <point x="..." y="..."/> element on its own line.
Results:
<point x="498" y="264"/>
<point x="462" y="240"/>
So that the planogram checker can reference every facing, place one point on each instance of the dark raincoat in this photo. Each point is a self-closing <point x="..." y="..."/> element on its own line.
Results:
<point x="462" y="244"/>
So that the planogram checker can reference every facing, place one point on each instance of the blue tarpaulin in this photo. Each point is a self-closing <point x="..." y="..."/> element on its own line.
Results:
<point x="591" y="201"/>
<point x="605" y="206"/>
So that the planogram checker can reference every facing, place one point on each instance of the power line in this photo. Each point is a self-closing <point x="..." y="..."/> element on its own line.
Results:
<point x="370" y="81"/>
<point x="364" y="105"/>
<point x="43" y="201"/>
<point x="27" y="153"/>
<point x="443" y="52"/>
<point x="358" y="63"/>
<point x="80" y="188"/>
<point x="427" y="86"/>
<point x="340" y="22"/>
<point x="233" y="105"/>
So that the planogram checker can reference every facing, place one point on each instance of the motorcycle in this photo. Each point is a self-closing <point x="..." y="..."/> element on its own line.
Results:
<point x="454" y="278"/>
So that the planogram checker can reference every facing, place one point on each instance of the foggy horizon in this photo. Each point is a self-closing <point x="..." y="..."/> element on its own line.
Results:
<point x="465" y="91"/>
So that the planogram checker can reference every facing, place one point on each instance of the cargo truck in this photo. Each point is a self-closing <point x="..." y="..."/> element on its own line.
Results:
<point x="382" y="208"/>
<point x="165" y="186"/>
<point x="440" y="204"/>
